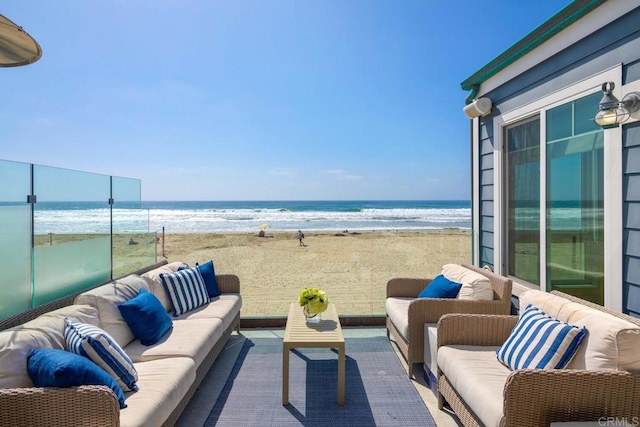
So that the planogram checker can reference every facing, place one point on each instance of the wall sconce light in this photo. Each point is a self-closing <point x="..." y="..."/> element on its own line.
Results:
<point x="613" y="112"/>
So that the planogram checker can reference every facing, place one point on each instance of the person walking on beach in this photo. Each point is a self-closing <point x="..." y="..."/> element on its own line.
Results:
<point x="300" y="237"/>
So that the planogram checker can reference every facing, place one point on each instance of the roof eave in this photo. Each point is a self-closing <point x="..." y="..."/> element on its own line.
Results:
<point x="558" y="22"/>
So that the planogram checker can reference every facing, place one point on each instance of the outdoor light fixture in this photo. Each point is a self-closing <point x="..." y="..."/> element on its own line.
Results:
<point x="613" y="112"/>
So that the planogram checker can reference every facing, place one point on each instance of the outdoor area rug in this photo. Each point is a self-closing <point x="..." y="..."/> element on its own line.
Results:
<point x="378" y="391"/>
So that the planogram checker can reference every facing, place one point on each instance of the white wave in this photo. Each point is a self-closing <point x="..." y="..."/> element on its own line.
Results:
<point x="242" y="220"/>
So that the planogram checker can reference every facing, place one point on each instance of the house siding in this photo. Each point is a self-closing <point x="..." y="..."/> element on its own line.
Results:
<point x="631" y="219"/>
<point x="486" y="235"/>
<point x="617" y="43"/>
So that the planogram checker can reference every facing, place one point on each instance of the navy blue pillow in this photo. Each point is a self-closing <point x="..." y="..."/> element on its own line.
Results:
<point x="209" y="276"/>
<point x="441" y="287"/>
<point x="48" y="367"/>
<point x="146" y="317"/>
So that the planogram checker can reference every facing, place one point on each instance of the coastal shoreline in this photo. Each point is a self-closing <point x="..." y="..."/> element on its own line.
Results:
<point x="352" y="268"/>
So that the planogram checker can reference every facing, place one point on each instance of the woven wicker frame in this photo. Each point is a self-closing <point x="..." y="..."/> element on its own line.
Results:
<point x="93" y="405"/>
<point x="429" y="310"/>
<point x="535" y="397"/>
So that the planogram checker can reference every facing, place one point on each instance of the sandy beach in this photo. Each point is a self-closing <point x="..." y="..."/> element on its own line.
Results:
<point x="352" y="268"/>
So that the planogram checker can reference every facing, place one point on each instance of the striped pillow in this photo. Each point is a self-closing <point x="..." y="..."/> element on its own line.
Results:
<point x="186" y="289"/>
<point x="98" y="346"/>
<point x="540" y="342"/>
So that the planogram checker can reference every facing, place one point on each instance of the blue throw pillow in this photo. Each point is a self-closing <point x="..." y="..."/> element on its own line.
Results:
<point x="209" y="276"/>
<point x="48" y="367"/>
<point x="146" y="317"/>
<point x="441" y="287"/>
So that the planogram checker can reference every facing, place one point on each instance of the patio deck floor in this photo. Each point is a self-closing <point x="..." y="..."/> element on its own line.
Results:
<point x="201" y="403"/>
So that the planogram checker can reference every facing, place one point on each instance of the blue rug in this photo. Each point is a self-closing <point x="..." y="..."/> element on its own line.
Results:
<point x="378" y="391"/>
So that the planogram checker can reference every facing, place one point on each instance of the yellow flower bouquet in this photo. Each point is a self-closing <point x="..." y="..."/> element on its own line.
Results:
<point x="313" y="301"/>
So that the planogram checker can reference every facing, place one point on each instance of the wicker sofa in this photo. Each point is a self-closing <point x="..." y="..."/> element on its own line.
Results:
<point x="169" y="371"/>
<point x="601" y="382"/>
<point x="408" y="316"/>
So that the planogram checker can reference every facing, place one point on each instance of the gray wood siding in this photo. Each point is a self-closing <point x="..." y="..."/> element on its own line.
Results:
<point x="631" y="219"/>
<point x="485" y="231"/>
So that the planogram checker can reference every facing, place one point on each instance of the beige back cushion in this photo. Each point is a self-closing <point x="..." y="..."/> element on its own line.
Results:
<point x="475" y="286"/>
<point x="106" y="299"/>
<point x="46" y="331"/>
<point x="611" y="343"/>
<point x="155" y="283"/>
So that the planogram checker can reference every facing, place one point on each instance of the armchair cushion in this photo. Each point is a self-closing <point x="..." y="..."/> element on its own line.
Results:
<point x="477" y="377"/>
<point x="440" y="287"/>
<point x="475" y="286"/>
<point x="540" y="342"/>
<point x="612" y="342"/>
<point x="398" y="312"/>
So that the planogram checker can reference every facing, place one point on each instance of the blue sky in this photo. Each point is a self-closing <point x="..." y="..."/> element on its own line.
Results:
<point x="257" y="100"/>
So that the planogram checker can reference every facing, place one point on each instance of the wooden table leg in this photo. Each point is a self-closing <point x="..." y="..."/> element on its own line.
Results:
<point x="341" y="368"/>
<point x="285" y="375"/>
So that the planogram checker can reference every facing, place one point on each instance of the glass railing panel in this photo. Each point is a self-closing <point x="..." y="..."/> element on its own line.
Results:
<point x="134" y="247"/>
<point x="15" y="245"/>
<point x="64" y="268"/>
<point x="71" y="219"/>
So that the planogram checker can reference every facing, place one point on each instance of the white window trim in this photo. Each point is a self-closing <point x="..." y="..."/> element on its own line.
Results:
<point x="475" y="173"/>
<point x="612" y="177"/>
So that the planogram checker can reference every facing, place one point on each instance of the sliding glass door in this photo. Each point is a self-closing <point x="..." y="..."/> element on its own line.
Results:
<point x="554" y="227"/>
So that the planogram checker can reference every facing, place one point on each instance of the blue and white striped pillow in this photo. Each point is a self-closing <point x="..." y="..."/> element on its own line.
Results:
<point x="186" y="289"/>
<point x="98" y="346"/>
<point x="540" y="342"/>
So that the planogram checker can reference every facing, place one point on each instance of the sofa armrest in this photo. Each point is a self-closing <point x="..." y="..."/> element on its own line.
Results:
<point x="536" y="397"/>
<point x="474" y="329"/>
<point x="46" y="406"/>
<point x="228" y="283"/>
<point x="409" y="288"/>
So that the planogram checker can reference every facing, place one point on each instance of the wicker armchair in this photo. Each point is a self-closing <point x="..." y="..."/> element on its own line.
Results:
<point x="536" y="397"/>
<point x="429" y="310"/>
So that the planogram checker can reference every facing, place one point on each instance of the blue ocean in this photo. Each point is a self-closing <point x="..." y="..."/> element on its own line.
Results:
<point x="249" y="216"/>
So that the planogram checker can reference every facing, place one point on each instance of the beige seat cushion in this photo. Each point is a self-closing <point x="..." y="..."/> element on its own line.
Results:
<point x="162" y="385"/>
<point x="225" y="307"/>
<point x="398" y="311"/>
<point x="106" y="299"/>
<point x="155" y="282"/>
<point x="46" y="331"/>
<point x="14" y="346"/>
<point x="478" y="377"/>
<point x="52" y="323"/>
<point x="188" y="338"/>
<point x="611" y="342"/>
<point x="475" y="286"/>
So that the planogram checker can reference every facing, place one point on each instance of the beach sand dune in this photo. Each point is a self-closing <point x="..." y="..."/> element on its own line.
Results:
<point x="352" y="268"/>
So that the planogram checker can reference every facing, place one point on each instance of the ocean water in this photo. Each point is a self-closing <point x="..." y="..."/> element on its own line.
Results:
<point x="248" y="216"/>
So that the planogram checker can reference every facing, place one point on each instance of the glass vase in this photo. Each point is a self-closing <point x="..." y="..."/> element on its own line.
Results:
<point x="311" y="316"/>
